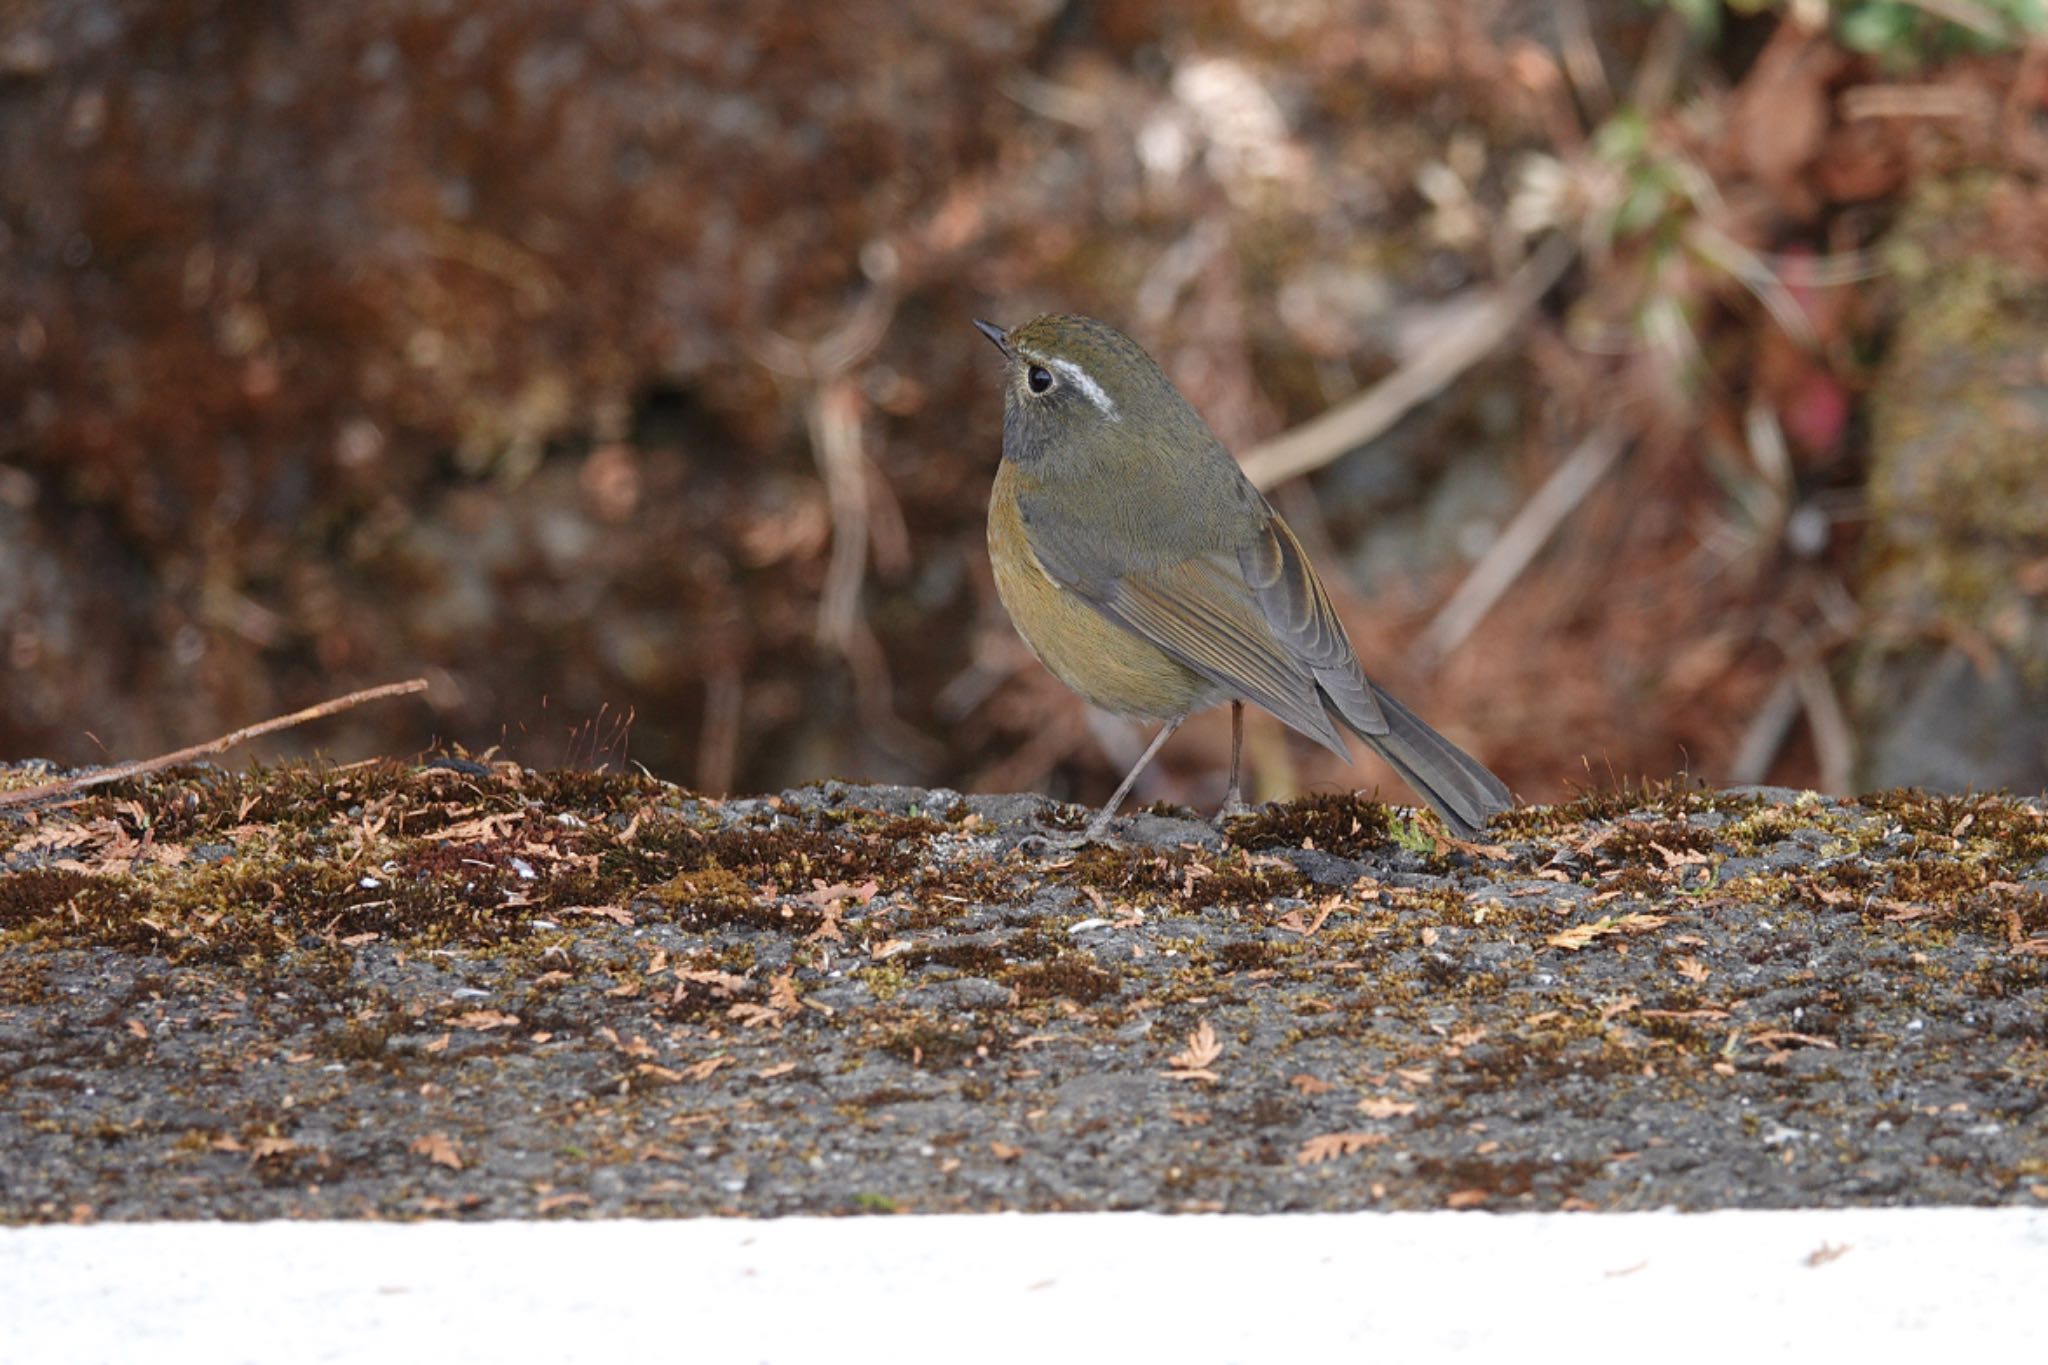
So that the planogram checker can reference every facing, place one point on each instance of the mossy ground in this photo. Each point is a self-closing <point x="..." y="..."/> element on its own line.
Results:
<point x="398" y="989"/>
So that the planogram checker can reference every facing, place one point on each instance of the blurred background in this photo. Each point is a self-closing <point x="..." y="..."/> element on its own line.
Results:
<point x="1662" y="385"/>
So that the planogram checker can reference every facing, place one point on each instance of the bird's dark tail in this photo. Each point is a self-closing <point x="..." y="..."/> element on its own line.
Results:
<point x="1456" y="785"/>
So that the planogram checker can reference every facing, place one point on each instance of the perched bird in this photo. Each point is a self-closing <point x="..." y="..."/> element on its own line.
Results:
<point x="1145" y="571"/>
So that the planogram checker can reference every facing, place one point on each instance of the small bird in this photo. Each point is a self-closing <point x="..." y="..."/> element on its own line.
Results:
<point x="1145" y="571"/>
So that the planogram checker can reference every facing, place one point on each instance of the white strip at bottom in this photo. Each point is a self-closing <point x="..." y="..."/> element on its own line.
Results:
<point x="1055" y="1289"/>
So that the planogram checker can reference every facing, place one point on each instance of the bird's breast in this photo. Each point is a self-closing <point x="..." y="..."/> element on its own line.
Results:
<point x="1106" y="664"/>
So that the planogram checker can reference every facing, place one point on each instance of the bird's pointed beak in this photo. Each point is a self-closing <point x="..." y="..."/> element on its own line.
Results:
<point x="995" y="334"/>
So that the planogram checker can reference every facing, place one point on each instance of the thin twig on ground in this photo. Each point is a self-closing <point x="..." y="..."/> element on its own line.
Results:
<point x="143" y="767"/>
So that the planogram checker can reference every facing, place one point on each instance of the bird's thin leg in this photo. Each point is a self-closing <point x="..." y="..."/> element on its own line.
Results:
<point x="1233" y="796"/>
<point x="1099" y="826"/>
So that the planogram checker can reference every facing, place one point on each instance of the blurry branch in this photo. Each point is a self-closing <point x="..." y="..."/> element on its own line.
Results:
<point x="1359" y="419"/>
<point x="1755" y="274"/>
<point x="1834" y="740"/>
<point x="1176" y="268"/>
<point x="1968" y="14"/>
<point x="1657" y="73"/>
<point x="1766" y="733"/>
<point x="867" y="521"/>
<point x="718" y="747"/>
<point x="834" y="412"/>
<point x="1582" y="57"/>
<point x="833" y="409"/>
<point x="143" y="767"/>
<point x="1051" y="744"/>
<point x="1516" y="546"/>
<point x="1804" y="687"/>
<point x="1919" y="101"/>
<point x="1051" y="100"/>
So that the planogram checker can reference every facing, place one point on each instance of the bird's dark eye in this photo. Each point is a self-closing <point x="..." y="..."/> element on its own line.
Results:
<point x="1039" y="378"/>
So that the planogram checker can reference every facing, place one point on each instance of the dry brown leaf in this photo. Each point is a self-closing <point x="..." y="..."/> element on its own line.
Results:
<point x="1684" y="858"/>
<point x="1329" y="1146"/>
<point x="1496" y="853"/>
<point x="750" y="1015"/>
<point x="1293" y="923"/>
<point x="1772" y="1038"/>
<point x="477" y="831"/>
<point x="485" y="1020"/>
<point x="1193" y="1063"/>
<point x="822" y="895"/>
<point x="438" y="1148"/>
<point x="1583" y="935"/>
<point x="724" y="985"/>
<point x="570" y="1199"/>
<point x="698" y="1071"/>
<point x="617" y="914"/>
<point x="1620" y="1006"/>
<point x="1379" y="1107"/>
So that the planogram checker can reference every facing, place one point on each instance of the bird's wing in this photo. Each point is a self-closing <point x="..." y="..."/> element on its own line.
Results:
<point x="1296" y="608"/>
<point x="1200" y="610"/>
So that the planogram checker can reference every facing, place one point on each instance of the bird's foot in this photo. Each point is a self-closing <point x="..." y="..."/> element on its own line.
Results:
<point x="1040" y="844"/>
<point x="1067" y="841"/>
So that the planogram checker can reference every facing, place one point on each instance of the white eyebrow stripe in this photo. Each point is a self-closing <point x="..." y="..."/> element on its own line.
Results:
<point x="1090" y="390"/>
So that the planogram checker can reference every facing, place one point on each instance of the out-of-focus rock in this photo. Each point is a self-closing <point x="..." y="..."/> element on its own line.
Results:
<point x="1952" y="689"/>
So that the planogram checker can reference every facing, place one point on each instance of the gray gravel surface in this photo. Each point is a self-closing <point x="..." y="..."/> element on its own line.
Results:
<point x="465" y="990"/>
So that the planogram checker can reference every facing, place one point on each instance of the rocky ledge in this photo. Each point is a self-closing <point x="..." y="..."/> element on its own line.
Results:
<point x="460" y="988"/>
